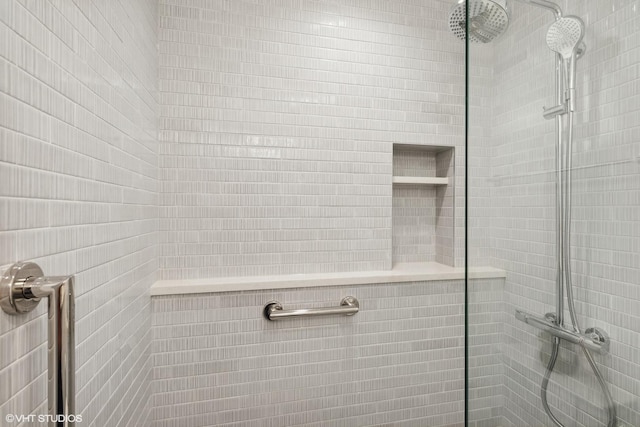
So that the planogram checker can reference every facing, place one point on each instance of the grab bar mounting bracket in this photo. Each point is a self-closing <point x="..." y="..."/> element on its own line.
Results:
<point x="13" y="283"/>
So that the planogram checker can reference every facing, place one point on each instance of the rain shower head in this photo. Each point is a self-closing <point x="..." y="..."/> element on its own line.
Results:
<point x="564" y="35"/>
<point x="488" y="19"/>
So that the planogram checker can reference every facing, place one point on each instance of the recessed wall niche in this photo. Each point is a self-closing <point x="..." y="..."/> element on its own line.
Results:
<point x="423" y="198"/>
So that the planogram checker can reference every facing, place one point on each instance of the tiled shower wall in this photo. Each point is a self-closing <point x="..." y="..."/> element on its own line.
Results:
<point x="277" y="124"/>
<point x="78" y="167"/>
<point x="276" y="132"/>
<point x="399" y="361"/>
<point x="606" y="198"/>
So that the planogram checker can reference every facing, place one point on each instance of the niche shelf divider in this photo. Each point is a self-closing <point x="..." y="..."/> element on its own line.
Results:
<point x="423" y="204"/>
<point x="420" y="180"/>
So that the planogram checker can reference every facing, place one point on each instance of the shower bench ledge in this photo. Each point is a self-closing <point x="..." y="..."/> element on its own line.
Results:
<point x="402" y="272"/>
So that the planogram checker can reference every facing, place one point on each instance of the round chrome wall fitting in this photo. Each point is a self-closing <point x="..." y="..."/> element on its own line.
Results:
<point x="13" y="281"/>
<point x="270" y="307"/>
<point x="351" y="302"/>
<point x="599" y="336"/>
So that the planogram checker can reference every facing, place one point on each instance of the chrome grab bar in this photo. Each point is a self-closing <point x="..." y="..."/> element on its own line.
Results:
<point x="21" y="288"/>
<point x="348" y="307"/>
<point x="593" y="339"/>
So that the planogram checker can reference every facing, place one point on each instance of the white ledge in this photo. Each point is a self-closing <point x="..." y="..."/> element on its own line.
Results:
<point x="421" y="180"/>
<point x="405" y="272"/>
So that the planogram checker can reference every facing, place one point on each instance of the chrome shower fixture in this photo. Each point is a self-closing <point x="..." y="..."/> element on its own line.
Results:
<point x="565" y="35"/>
<point x="488" y="20"/>
<point x="545" y="4"/>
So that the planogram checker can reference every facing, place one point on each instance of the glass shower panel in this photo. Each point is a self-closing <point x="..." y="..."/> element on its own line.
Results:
<point x="553" y="201"/>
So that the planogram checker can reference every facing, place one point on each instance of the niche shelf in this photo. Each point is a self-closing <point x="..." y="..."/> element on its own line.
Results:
<point x="423" y="198"/>
<point x="420" y="180"/>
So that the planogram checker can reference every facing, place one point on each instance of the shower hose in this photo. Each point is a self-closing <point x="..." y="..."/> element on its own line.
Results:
<point x="564" y="275"/>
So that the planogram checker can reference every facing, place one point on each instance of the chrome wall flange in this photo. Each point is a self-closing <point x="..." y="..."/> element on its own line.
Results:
<point x="350" y="302"/>
<point x="270" y="307"/>
<point x="15" y="280"/>
<point x="599" y="336"/>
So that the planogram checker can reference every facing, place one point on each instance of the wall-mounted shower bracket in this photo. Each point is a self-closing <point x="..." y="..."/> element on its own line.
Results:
<point x="593" y="339"/>
<point x="580" y="50"/>
<point x="553" y="112"/>
<point x="22" y="286"/>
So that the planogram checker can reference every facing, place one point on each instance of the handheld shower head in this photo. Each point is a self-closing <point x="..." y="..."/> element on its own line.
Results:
<point x="565" y="35"/>
<point x="487" y="20"/>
